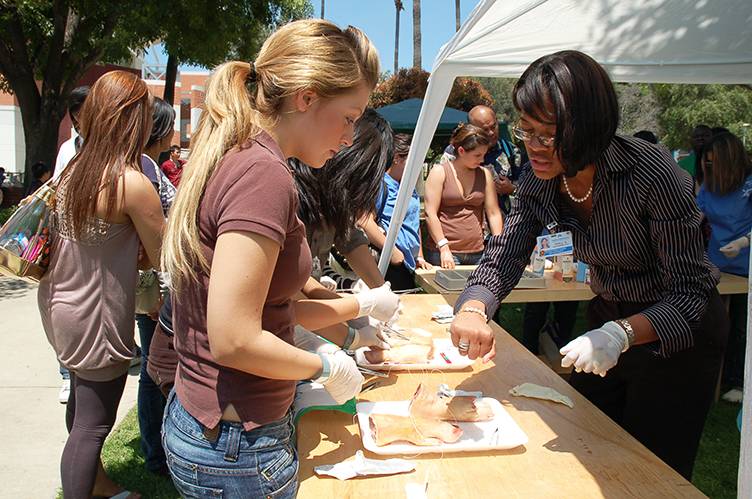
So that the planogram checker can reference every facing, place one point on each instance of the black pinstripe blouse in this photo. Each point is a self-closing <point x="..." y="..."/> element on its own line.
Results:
<point x="643" y="243"/>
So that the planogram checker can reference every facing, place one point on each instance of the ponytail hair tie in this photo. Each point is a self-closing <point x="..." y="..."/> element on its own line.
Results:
<point x="252" y="74"/>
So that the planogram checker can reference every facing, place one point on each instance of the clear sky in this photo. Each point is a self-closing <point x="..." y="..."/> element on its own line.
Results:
<point x="376" y="19"/>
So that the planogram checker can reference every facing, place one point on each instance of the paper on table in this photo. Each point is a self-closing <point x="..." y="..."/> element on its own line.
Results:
<point x="362" y="466"/>
<point x="540" y="392"/>
<point x="443" y="314"/>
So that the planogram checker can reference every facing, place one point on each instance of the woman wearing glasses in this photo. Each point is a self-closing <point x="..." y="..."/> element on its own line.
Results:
<point x="657" y="328"/>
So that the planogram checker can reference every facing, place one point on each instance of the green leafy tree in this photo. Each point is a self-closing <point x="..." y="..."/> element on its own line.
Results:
<point x="501" y="92"/>
<point x="47" y="46"/>
<point x="684" y="106"/>
<point x="208" y="32"/>
<point x="638" y="109"/>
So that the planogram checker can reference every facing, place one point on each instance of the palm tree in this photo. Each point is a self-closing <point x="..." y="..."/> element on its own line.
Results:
<point x="457" y="14"/>
<point x="322" y="8"/>
<point x="398" y="7"/>
<point x="417" y="63"/>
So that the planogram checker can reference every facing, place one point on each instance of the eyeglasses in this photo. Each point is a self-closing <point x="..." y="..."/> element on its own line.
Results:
<point x="524" y="136"/>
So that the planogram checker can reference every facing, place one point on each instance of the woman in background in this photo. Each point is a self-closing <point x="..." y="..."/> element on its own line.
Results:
<point x="458" y="192"/>
<point x="151" y="401"/>
<point x="725" y="198"/>
<point x="106" y="207"/>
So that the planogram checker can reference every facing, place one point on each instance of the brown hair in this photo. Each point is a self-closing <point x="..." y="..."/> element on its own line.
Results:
<point x="115" y="122"/>
<point x="730" y="166"/>
<point x="468" y="137"/>
<point x="402" y="144"/>
<point x="573" y="91"/>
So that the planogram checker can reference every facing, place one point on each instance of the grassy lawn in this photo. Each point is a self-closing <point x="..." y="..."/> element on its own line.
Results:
<point x="715" y="470"/>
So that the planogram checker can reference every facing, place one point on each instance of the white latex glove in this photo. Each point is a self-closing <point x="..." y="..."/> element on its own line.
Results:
<point x="340" y="376"/>
<point x="380" y="303"/>
<point x="596" y="351"/>
<point x="310" y="342"/>
<point x="359" y="286"/>
<point x="328" y="282"/>
<point x="732" y="249"/>
<point x="371" y="335"/>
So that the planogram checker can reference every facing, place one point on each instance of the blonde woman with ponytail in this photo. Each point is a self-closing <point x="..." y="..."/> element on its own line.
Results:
<point x="237" y="254"/>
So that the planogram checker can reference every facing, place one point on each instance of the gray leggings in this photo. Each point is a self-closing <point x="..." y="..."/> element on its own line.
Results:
<point x="89" y="416"/>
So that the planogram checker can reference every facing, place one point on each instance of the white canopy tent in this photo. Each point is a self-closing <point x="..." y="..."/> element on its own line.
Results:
<point x="648" y="41"/>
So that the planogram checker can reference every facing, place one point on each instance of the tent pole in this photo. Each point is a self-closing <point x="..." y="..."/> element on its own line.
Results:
<point x="744" y="482"/>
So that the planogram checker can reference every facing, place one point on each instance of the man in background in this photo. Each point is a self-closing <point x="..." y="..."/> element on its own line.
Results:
<point x="70" y="147"/>
<point x="173" y="167"/>
<point x="501" y="158"/>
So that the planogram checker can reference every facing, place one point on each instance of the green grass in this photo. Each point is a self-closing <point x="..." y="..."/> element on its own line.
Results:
<point x="715" y="473"/>
<point x="124" y="462"/>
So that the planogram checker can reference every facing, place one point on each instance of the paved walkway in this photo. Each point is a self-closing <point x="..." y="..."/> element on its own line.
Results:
<point x="31" y="418"/>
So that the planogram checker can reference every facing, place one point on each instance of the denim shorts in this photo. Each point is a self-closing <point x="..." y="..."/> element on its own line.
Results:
<point x="262" y="462"/>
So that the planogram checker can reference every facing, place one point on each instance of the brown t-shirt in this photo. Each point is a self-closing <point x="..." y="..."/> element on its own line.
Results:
<point x="251" y="190"/>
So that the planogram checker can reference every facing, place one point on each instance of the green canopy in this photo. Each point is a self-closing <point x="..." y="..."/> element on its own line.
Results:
<point x="403" y="116"/>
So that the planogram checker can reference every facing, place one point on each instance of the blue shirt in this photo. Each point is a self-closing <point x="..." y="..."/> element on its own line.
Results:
<point x="408" y="239"/>
<point x="730" y="218"/>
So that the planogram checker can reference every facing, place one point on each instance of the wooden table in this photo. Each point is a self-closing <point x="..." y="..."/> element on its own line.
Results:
<point x="557" y="290"/>
<point x="576" y="452"/>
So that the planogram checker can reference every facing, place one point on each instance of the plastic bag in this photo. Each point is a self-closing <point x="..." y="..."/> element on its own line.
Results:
<point x="26" y="238"/>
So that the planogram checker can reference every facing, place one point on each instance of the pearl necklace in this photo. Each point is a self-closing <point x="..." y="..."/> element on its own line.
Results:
<point x="571" y="196"/>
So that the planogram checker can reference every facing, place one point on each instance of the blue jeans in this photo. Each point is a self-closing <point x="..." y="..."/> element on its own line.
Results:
<point x="262" y="462"/>
<point x="151" y="402"/>
<point x="434" y="257"/>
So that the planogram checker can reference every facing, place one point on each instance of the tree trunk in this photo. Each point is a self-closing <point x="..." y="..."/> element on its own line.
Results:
<point x="417" y="62"/>
<point x="322" y="8"/>
<point x="171" y="74"/>
<point x="41" y="132"/>
<point x="457" y="14"/>
<point x="397" y="7"/>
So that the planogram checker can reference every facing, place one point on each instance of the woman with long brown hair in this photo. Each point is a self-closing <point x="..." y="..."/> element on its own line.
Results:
<point x="105" y="206"/>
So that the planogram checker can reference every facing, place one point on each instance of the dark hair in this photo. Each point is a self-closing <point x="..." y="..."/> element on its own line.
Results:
<point x="573" y="91"/>
<point x="39" y="168"/>
<point x="163" y="121"/>
<point x="730" y="166"/>
<point x="77" y="98"/>
<point x="346" y="188"/>
<point x="468" y="137"/>
<point x="647" y="135"/>
<point x="175" y="148"/>
<point x="719" y="129"/>
<point x="402" y="144"/>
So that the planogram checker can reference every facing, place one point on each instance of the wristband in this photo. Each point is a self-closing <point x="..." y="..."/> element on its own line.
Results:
<point x="475" y="310"/>
<point x="442" y="243"/>
<point x="326" y="369"/>
<point x="627" y="327"/>
<point x="351" y="332"/>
